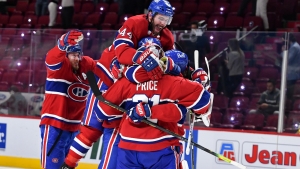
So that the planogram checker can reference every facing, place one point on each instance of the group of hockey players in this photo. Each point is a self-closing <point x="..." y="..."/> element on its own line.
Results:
<point x="140" y="72"/>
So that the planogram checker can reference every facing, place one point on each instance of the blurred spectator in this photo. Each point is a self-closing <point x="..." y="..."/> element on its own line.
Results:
<point x="268" y="102"/>
<point x="261" y="11"/>
<point x="3" y="7"/>
<point x="243" y="7"/>
<point x="195" y="40"/>
<point x="293" y="68"/>
<point x="41" y="7"/>
<point x="235" y="63"/>
<point x="52" y="7"/>
<point x="67" y="12"/>
<point x="16" y="104"/>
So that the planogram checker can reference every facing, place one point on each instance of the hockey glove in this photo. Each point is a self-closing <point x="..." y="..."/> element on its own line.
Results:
<point x="148" y="58"/>
<point x="65" y="166"/>
<point x="69" y="39"/>
<point x="139" y="112"/>
<point x="116" y="69"/>
<point x="200" y="76"/>
<point x="170" y="67"/>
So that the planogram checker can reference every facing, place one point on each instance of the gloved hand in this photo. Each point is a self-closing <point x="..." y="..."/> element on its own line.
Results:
<point x="139" y="112"/>
<point x="69" y="39"/>
<point x="65" y="166"/>
<point x="169" y="66"/>
<point x="148" y="58"/>
<point x="200" y="76"/>
<point x="116" y="69"/>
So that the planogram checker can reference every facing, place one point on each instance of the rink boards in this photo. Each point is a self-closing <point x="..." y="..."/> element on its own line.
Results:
<point x="20" y="147"/>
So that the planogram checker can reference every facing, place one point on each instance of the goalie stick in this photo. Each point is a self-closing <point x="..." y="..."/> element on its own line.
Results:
<point x="98" y="95"/>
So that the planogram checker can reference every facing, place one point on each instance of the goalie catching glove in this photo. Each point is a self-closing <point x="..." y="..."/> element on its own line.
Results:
<point x="148" y="58"/>
<point x="69" y="39"/>
<point x="139" y="112"/>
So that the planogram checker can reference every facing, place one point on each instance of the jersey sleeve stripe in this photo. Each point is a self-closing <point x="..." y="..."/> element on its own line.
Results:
<point x="130" y="74"/>
<point x="54" y="67"/>
<point x="56" y="87"/>
<point x="203" y="102"/>
<point x="183" y="112"/>
<point x="107" y="72"/>
<point x="122" y="41"/>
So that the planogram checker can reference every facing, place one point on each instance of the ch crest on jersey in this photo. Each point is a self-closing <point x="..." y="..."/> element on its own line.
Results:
<point x="78" y="92"/>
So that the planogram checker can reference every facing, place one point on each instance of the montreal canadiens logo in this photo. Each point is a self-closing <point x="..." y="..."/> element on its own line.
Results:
<point x="78" y="91"/>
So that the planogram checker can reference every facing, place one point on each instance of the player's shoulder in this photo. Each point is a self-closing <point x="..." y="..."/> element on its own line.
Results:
<point x="87" y="59"/>
<point x="167" y="32"/>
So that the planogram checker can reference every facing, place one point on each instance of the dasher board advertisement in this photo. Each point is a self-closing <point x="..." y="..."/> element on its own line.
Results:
<point x="255" y="150"/>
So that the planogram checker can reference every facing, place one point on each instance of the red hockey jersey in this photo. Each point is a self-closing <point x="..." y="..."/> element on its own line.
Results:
<point x="170" y="89"/>
<point x="132" y="31"/>
<point x="66" y="91"/>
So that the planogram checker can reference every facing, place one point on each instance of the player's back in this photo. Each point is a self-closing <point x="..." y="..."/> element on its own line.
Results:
<point x="170" y="89"/>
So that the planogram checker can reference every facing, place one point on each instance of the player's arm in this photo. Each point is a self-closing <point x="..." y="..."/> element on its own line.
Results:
<point x="124" y="45"/>
<point x="115" y="95"/>
<point x="169" y="112"/>
<point x="55" y="58"/>
<point x="194" y="96"/>
<point x="81" y="145"/>
<point x="127" y="55"/>
<point x="136" y="74"/>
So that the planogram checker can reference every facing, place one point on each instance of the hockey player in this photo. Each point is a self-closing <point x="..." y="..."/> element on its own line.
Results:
<point x="65" y="94"/>
<point x="92" y="128"/>
<point x="153" y="100"/>
<point x="137" y="27"/>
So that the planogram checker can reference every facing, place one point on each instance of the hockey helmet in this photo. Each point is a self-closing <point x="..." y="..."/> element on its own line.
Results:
<point x="179" y="58"/>
<point x="162" y="7"/>
<point x="75" y="49"/>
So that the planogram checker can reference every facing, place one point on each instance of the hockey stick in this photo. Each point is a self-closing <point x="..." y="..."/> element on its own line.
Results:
<point x="192" y="118"/>
<point x="238" y="40"/>
<point x="98" y="95"/>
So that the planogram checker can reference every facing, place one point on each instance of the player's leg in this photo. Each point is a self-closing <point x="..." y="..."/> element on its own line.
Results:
<point x="53" y="146"/>
<point x="90" y="132"/>
<point x="167" y="158"/>
<point x="111" y="139"/>
<point x="128" y="159"/>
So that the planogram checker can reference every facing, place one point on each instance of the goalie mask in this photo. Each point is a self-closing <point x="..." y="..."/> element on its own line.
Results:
<point x="148" y="41"/>
<point x="153" y="44"/>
